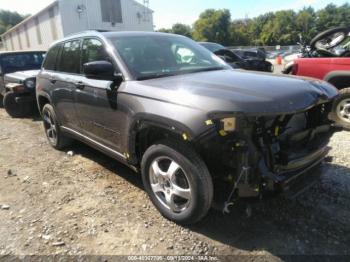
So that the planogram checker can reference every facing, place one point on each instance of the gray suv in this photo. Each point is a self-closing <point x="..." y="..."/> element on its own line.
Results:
<point x="179" y="115"/>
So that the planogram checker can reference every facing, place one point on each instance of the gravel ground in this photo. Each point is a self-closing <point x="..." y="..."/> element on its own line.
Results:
<point x="88" y="204"/>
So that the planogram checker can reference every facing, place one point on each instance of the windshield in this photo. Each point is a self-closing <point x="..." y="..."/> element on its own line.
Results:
<point x="19" y="62"/>
<point x="153" y="56"/>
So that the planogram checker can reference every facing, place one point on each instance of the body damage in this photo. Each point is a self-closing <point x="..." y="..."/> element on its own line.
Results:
<point x="275" y="131"/>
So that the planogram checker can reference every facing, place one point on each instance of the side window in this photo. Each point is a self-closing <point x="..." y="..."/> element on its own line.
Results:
<point x="51" y="58"/>
<point x="70" y="57"/>
<point x="93" y="50"/>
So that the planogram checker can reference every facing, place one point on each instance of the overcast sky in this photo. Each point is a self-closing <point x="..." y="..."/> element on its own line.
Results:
<point x="168" y="12"/>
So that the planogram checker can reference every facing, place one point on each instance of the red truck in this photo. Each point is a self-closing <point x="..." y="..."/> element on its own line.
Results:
<point x="328" y="58"/>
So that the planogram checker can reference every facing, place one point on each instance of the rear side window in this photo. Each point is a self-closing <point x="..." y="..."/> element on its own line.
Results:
<point x="51" y="57"/>
<point x="70" y="57"/>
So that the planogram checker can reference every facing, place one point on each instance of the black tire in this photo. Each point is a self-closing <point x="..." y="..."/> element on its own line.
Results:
<point x="14" y="109"/>
<point x="1" y="101"/>
<point x="60" y="141"/>
<point x="326" y="34"/>
<point x="344" y="96"/>
<point x="197" y="175"/>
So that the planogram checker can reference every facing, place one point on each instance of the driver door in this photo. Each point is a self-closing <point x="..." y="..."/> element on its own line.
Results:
<point x="96" y="101"/>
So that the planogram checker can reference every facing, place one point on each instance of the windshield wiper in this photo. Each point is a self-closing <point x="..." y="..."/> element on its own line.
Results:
<point x="155" y="76"/>
<point x="207" y="69"/>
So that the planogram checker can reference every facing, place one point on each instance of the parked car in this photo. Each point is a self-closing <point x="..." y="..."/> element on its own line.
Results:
<point x="172" y="110"/>
<point x="328" y="58"/>
<point x="236" y="61"/>
<point x="17" y="80"/>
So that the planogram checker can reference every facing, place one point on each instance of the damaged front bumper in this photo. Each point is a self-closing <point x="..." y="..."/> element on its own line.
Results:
<point x="300" y="175"/>
<point x="282" y="153"/>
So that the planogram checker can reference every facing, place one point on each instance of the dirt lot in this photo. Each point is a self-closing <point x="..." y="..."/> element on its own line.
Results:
<point x="53" y="203"/>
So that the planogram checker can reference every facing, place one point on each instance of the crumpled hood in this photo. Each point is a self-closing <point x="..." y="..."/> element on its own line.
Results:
<point x="237" y="91"/>
<point x="20" y="76"/>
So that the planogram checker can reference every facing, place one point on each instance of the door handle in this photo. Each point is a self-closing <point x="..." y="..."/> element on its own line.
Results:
<point x="80" y="85"/>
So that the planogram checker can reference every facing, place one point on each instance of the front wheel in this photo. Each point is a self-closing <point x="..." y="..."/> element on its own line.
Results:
<point x="341" y="108"/>
<point x="177" y="182"/>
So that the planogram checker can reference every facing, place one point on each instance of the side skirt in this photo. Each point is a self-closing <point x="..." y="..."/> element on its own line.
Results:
<point x="102" y="148"/>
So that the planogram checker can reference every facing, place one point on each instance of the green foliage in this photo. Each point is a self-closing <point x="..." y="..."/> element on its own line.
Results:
<point x="213" y="25"/>
<point x="181" y="29"/>
<point x="9" y="19"/>
<point x="278" y="28"/>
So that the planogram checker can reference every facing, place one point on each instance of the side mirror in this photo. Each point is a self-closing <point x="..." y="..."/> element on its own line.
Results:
<point x="102" y="70"/>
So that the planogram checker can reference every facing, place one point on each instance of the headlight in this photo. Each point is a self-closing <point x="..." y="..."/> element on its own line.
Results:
<point x="29" y="83"/>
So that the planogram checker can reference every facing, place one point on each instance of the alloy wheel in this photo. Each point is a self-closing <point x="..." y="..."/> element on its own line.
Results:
<point x="50" y="127"/>
<point x="170" y="184"/>
<point x="343" y="110"/>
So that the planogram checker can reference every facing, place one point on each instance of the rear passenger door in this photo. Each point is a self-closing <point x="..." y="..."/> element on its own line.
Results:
<point x="65" y="81"/>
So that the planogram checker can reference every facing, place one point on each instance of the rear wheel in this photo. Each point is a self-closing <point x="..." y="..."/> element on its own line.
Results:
<point x="52" y="129"/>
<point x="341" y="108"/>
<point x="15" y="109"/>
<point x="177" y="182"/>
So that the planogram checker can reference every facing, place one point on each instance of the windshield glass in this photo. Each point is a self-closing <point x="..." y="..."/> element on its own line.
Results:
<point x="19" y="62"/>
<point x="152" y="56"/>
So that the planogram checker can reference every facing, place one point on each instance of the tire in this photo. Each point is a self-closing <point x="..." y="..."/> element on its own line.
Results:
<point x="192" y="177"/>
<point x="52" y="129"/>
<point x="326" y="34"/>
<point x="341" y="108"/>
<point x="1" y="101"/>
<point x="14" y="109"/>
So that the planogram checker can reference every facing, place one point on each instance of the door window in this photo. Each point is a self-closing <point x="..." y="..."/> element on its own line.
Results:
<point x="70" y="58"/>
<point x="50" y="61"/>
<point x="93" y="50"/>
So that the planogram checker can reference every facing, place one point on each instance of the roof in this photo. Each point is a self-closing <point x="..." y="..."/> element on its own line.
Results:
<point x="29" y="18"/>
<point x="21" y="52"/>
<point x="104" y="33"/>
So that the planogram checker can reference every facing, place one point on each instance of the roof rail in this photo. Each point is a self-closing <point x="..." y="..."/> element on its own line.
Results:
<point x="87" y="31"/>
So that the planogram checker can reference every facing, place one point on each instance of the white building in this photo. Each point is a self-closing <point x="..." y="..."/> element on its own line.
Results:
<point x="64" y="17"/>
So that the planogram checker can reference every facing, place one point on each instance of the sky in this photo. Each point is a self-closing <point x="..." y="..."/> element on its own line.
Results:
<point x="169" y="12"/>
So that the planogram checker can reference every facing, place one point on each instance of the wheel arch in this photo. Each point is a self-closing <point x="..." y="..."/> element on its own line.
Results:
<point x="42" y="100"/>
<point x="147" y="129"/>
<point x="340" y="79"/>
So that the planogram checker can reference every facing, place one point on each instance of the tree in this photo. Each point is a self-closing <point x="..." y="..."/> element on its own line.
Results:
<point x="213" y="26"/>
<point x="182" y="29"/>
<point x="9" y="19"/>
<point x="165" y="30"/>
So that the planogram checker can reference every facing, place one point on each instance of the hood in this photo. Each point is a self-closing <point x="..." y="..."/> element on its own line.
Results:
<point x="21" y="76"/>
<point x="237" y="91"/>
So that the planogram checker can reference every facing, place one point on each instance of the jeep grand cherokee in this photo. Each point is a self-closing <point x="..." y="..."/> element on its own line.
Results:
<point x="169" y="108"/>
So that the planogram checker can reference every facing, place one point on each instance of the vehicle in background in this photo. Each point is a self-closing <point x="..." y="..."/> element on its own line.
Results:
<point x="236" y="61"/>
<point x="328" y="58"/>
<point x="193" y="126"/>
<point x="258" y="53"/>
<point x="18" y="71"/>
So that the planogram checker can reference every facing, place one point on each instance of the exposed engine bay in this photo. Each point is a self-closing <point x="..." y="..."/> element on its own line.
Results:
<point x="269" y="151"/>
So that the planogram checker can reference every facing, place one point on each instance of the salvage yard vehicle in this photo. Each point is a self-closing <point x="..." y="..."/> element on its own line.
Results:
<point x="235" y="60"/>
<point x="328" y="58"/>
<point x="188" y="124"/>
<point x="18" y="71"/>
